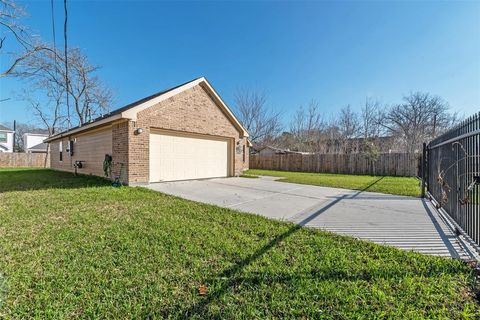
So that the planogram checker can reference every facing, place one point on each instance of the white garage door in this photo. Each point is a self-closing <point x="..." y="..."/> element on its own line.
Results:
<point x="185" y="157"/>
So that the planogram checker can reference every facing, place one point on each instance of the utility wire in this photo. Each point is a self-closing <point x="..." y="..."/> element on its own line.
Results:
<point x="54" y="39"/>
<point x="53" y="30"/>
<point x="66" y="60"/>
<point x="54" y="49"/>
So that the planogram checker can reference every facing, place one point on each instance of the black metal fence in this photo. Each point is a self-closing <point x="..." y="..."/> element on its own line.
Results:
<point x="452" y="174"/>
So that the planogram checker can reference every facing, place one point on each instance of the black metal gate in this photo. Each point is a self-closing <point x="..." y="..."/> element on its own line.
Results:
<point x="452" y="174"/>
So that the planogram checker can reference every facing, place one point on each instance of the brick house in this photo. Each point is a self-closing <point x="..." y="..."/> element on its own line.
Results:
<point x="186" y="132"/>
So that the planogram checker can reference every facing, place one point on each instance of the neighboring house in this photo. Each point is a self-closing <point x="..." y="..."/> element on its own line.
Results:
<point x="33" y="142"/>
<point x="186" y="132"/>
<point x="269" y="151"/>
<point x="6" y="139"/>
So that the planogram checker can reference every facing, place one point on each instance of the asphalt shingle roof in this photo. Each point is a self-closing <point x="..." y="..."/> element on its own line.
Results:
<point x="40" y="146"/>
<point x="129" y="106"/>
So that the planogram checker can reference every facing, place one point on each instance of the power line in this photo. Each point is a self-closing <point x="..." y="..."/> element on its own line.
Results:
<point x="54" y="39"/>
<point x="66" y="59"/>
<point x="53" y="28"/>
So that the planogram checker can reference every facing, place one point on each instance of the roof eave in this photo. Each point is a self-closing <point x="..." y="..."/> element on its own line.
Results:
<point x="105" y="121"/>
<point x="131" y="114"/>
<point x="229" y="113"/>
<point x="36" y="134"/>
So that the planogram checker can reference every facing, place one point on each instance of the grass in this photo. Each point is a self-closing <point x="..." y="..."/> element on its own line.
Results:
<point x="405" y="186"/>
<point x="250" y="176"/>
<point x="74" y="247"/>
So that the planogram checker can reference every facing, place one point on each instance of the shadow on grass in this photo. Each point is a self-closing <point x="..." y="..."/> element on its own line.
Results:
<point x="38" y="179"/>
<point x="229" y="274"/>
<point x="232" y="280"/>
<point x="367" y="187"/>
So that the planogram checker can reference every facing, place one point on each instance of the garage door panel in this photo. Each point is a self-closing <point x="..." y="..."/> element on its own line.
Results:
<point x="183" y="157"/>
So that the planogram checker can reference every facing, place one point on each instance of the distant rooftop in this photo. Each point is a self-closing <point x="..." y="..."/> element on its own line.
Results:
<point x="2" y="127"/>
<point x="39" y="147"/>
<point x="38" y="132"/>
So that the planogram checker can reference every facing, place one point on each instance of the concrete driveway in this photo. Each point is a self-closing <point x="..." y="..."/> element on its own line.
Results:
<point x="404" y="222"/>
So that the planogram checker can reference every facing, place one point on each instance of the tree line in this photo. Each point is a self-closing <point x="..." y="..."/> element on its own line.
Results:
<point x="375" y="128"/>
<point x="64" y="91"/>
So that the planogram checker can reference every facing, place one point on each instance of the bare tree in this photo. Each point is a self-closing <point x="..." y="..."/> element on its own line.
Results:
<point x="306" y="127"/>
<point x="370" y="119"/>
<point x="46" y="102"/>
<point x="262" y="123"/>
<point x="371" y="129"/>
<point x="419" y="118"/>
<point x="348" y="128"/>
<point x="348" y="123"/>
<point x="48" y="112"/>
<point x="24" y="43"/>
<point x="90" y="97"/>
<point x="47" y="73"/>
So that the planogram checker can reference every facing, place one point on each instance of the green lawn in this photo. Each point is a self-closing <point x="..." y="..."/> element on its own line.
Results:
<point x="251" y="176"/>
<point x="404" y="186"/>
<point x="74" y="247"/>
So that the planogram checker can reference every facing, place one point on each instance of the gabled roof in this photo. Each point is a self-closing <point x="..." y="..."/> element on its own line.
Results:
<point x="3" y="128"/>
<point x="130" y="111"/>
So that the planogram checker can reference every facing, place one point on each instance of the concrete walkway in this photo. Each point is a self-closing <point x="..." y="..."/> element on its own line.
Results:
<point x="404" y="222"/>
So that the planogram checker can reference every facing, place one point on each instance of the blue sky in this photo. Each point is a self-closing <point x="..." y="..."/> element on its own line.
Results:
<point x="335" y="52"/>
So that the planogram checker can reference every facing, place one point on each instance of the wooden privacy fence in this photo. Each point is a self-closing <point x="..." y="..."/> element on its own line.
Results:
<point x="14" y="159"/>
<point x="386" y="164"/>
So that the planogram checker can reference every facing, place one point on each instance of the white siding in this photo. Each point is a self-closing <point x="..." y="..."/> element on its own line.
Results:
<point x="31" y="140"/>
<point x="7" y="146"/>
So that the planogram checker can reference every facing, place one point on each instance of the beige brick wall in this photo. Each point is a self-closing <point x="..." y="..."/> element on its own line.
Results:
<point x="55" y="163"/>
<point x="120" y="150"/>
<point x="89" y="147"/>
<point x="191" y="111"/>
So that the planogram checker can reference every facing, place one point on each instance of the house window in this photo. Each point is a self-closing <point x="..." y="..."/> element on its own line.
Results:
<point x="60" y="150"/>
<point x="244" y="155"/>
<point x="3" y="137"/>
<point x="70" y="147"/>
